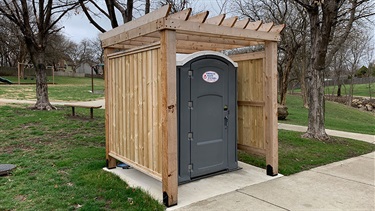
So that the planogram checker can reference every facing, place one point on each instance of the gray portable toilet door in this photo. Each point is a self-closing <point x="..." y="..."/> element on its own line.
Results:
<point x="205" y="119"/>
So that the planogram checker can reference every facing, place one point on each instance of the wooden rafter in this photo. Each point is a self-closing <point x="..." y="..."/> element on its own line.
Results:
<point x="182" y="15"/>
<point x="266" y="27"/>
<point x="277" y="28"/>
<point x="199" y="18"/>
<point x="242" y="23"/>
<point x="217" y="20"/>
<point x="229" y="21"/>
<point x="254" y="25"/>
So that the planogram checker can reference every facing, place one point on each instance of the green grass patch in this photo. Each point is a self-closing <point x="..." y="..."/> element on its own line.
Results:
<point x="59" y="163"/>
<point x="65" y="89"/>
<point x="298" y="154"/>
<point x="359" y="90"/>
<point x="337" y="116"/>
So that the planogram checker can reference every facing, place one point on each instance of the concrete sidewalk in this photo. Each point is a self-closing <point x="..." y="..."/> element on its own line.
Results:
<point x="356" y="136"/>
<point x="344" y="185"/>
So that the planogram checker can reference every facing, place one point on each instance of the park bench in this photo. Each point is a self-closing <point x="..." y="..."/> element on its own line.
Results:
<point x="91" y="107"/>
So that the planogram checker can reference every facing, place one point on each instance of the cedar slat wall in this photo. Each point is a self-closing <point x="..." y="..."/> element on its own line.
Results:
<point x="251" y="121"/>
<point x="134" y="110"/>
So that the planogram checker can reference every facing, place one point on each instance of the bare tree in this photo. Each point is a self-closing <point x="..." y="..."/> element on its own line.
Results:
<point x="37" y="21"/>
<point x="356" y="50"/>
<point x="324" y="17"/>
<point x="109" y="9"/>
<point x="369" y="59"/>
<point x="12" y="45"/>
<point x="279" y="12"/>
<point x="338" y="67"/>
<point x="177" y="5"/>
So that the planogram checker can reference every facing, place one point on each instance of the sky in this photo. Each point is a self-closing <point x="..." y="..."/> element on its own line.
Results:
<point x="77" y="27"/>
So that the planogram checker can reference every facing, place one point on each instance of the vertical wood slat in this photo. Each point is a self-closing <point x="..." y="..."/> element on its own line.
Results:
<point x="144" y="110"/>
<point x="160" y="115"/>
<point x="271" y="108"/>
<point x="140" y="110"/>
<point x="120" y="98"/>
<point x="111" y="162"/>
<point x="127" y="103"/>
<point x="150" y="136"/>
<point x="136" y="116"/>
<point x="169" y="117"/>
<point x="155" y="110"/>
<point x="131" y="108"/>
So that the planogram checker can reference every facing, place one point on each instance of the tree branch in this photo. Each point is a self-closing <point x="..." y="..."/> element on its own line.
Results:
<point x="92" y="21"/>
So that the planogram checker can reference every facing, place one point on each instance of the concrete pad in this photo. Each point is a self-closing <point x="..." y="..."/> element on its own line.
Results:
<point x="360" y="169"/>
<point x="314" y="191"/>
<point x="198" y="190"/>
<point x="137" y="179"/>
<point x="231" y="201"/>
<point x="209" y="187"/>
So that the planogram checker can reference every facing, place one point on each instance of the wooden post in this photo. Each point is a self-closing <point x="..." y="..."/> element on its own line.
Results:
<point x="111" y="162"/>
<point x="272" y="159"/>
<point x="169" y="117"/>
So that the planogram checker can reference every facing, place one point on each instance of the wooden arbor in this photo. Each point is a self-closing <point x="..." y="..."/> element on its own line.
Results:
<point x="141" y="115"/>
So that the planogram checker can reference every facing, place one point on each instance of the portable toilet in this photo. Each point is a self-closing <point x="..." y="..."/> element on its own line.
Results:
<point x="207" y="114"/>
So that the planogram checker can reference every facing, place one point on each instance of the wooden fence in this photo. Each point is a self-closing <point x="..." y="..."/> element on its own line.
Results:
<point x="134" y="93"/>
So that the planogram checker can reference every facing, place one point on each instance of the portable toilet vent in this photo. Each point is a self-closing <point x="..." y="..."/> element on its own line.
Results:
<point x="207" y="113"/>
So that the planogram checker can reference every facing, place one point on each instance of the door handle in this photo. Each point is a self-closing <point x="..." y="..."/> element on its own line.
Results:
<point x="226" y="121"/>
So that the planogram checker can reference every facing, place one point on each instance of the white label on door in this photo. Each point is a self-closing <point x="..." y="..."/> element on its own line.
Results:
<point x="210" y="76"/>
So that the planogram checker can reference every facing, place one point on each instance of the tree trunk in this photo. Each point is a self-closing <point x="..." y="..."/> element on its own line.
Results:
<point x="351" y="90"/>
<point x="284" y="81"/>
<point x="304" y="90"/>
<point x="42" y="101"/>
<point x="316" y="127"/>
<point x="320" y="31"/>
<point x="339" y="89"/>
<point x="147" y="6"/>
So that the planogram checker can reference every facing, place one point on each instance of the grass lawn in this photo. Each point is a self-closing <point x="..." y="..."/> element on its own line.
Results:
<point x="59" y="163"/>
<point x="338" y="116"/>
<point x="299" y="154"/>
<point x="359" y="90"/>
<point x="65" y="89"/>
